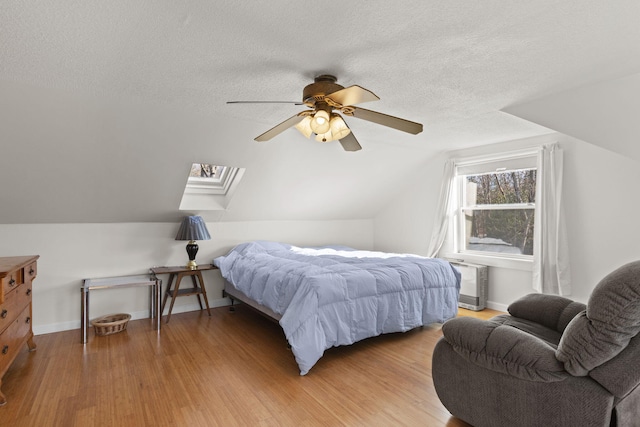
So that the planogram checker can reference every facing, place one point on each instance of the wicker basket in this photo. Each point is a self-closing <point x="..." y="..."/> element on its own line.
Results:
<point x="111" y="324"/>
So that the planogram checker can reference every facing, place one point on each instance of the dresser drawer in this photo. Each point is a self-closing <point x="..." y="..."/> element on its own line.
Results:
<point x="13" y="276"/>
<point x="12" y="280"/>
<point x="30" y="271"/>
<point x="13" y="304"/>
<point x="12" y="339"/>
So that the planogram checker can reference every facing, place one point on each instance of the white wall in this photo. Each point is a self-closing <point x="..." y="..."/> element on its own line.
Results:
<point x="72" y="252"/>
<point x="600" y="199"/>
<point x="405" y="225"/>
<point x="600" y="203"/>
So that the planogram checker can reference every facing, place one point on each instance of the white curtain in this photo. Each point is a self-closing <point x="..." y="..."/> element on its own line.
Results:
<point x="551" y="272"/>
<point x="443" y="211"/>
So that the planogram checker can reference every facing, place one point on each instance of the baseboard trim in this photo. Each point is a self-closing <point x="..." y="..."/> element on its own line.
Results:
<point x="221" y="302"/>
<point x="497" y="306"/>
<point x="67" y="326"/>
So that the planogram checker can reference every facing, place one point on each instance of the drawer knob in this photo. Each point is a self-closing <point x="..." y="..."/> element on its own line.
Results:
<point x="29" y="291"/>
<point x="5" y="349"/>
<point x="4" y="314"/>
<point x="27" y="320"/>
<point x="12" y="282"/>
<point x="31" y="271"/>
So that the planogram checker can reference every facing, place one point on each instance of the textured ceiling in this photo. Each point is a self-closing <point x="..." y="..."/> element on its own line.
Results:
<point x="104" y="104"/>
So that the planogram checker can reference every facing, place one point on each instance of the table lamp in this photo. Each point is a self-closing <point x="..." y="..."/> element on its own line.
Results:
<point x="192" y="228"/>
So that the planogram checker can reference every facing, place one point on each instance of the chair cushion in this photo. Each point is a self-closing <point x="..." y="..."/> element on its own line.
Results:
<point x="538" y="330"/>
<point x="499" y="347"/>
<point x="604" y="329"/>
<point x="552" y="311"/>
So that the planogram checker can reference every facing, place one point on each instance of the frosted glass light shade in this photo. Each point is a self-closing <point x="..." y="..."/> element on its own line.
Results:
<point x="320" y="122"/>
<point x="325" y="137"/>
<point x="339" y="128"/>
<point x="304" y="126"/>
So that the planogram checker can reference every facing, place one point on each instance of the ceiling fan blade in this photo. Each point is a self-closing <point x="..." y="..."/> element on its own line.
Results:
<point x="350" y="143"/>
<point x="352" y="95"/>
<point x="387" y="120"/>
<point x="276" y="130"/>
<point x="265" y="102"/>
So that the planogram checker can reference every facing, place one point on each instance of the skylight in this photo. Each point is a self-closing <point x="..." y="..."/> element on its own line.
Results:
<point x="210" y="187"/>
<point x="210" y="179"/>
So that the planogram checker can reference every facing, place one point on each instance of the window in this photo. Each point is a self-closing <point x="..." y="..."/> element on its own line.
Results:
<point x="210" y="187"/>
<point x="495" y="206"/>
<point x="210" y="179"/>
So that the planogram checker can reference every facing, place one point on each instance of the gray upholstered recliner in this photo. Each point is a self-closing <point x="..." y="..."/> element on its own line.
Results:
<point x="549" y="362"/>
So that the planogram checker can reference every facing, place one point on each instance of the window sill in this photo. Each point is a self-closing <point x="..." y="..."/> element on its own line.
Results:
<point x="491" y="261"/>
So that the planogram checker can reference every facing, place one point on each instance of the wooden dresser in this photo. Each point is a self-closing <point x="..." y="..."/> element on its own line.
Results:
<point x="16" y="275"/>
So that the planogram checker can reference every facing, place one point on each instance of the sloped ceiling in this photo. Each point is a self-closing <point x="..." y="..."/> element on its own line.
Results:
<point x="105" y="104"/>
<point x="605" y="114"/>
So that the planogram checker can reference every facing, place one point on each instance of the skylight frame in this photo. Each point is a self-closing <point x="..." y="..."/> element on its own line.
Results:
<point x="212" y="185"/>
<point x="202" y="194"/>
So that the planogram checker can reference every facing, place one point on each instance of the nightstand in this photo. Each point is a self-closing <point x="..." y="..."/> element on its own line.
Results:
<point x="173" y="287"/>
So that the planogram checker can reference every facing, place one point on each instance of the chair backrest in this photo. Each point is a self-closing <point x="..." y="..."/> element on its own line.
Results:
<point x="606" y="327"/>
<point x="621" y="374"/>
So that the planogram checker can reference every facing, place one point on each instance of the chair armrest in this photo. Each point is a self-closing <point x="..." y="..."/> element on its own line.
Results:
<point x="553" y="311"/>
<point x="504" y="349"/>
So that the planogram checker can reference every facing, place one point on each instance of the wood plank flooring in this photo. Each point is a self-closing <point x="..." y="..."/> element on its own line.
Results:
<point x="230" y="369"/>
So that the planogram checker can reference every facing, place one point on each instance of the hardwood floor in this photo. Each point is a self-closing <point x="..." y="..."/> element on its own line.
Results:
<point x="231" y="369"/>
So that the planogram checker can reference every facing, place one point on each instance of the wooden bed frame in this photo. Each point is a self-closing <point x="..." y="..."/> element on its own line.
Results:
<point x="234" y="294"/>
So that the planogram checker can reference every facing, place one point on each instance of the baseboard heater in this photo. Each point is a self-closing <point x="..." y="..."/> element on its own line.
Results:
<point x="473" y="285"/>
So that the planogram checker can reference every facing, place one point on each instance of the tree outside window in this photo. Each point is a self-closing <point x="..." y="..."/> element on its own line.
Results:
<point x="202" y="170"/>
<point x="498" y="211"/>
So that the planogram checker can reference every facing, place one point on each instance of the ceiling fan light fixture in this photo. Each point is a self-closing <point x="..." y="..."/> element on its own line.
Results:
<point x="304" y="126"/>
<point x="320" y="122"/>
<point x="339" y="128"/>
<point x="325" y="137"/>
<point x="323" y="97"/>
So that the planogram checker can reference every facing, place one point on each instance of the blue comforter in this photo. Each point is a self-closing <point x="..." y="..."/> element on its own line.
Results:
<point x="335" y="296"/>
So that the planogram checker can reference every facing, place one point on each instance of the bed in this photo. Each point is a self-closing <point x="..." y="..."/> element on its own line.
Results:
<point x="330" y="296"/>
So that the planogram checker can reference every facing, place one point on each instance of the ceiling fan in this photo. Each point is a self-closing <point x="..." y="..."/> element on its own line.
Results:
<point x="326" y="98"/>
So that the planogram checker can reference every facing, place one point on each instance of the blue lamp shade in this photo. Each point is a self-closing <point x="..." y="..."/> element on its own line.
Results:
<point x="192" y="228"/>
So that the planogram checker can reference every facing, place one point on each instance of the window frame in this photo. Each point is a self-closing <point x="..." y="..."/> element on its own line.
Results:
<point x="516" y="160"/>
<point x="210" y="193"/>
<point x="212" y="185"/>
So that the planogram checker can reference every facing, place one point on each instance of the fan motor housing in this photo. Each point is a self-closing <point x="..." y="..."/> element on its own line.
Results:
<point x="322" y="86"/>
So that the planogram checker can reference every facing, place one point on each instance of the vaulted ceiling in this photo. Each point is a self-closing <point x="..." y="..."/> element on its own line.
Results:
<point x="105" y="104"/>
